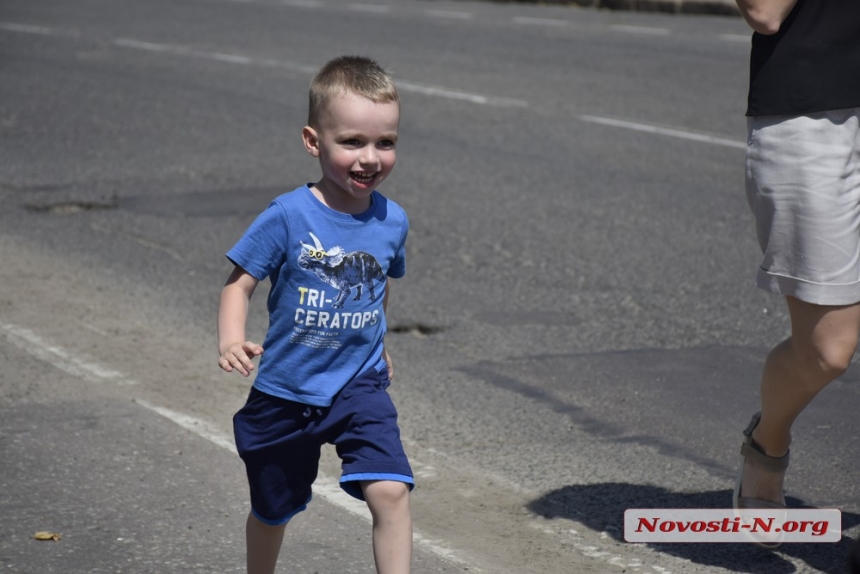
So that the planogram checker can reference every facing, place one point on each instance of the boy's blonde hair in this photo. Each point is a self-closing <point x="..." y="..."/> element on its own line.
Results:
<point x="349" y="74"/>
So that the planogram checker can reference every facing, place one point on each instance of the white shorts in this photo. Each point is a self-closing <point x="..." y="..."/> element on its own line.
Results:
<point x="803" y="186"/>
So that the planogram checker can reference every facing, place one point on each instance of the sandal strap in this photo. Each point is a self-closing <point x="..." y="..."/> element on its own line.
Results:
<point x="752" y="451"/>
<point x="752" y="503"/>
<point x="753" y="423"/>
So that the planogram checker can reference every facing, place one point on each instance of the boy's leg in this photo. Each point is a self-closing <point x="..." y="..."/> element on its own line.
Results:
<point x="388" y="501"/>
<point x="822" y="343"/>
<point x="375" y="467"/>
<point x="275" y="439"/>
<point x="264" y="544"/>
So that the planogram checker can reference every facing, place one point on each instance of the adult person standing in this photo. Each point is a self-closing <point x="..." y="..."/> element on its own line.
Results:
<point x="803" y="186"/>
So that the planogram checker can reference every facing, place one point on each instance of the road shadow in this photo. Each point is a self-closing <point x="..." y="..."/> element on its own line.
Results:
<point x="601" y="507"/>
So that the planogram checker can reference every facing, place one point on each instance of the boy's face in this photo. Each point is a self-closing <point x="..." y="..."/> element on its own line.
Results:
<point x="355" y="145"/>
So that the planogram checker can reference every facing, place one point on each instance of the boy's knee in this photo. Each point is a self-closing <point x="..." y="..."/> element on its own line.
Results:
<point x="386" y="493"/>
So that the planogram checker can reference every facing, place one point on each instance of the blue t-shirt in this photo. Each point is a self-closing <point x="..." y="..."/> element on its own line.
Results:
<point x="328" y="271"/>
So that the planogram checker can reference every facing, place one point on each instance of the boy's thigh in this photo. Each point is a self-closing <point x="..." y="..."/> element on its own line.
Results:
<point x="803" y="185"/>
<point x="368" y="441"/>
<point x="275" y="440"/>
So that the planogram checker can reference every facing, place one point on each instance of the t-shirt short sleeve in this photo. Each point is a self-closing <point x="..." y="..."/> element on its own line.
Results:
<point x="397" y="267"/>
<point x="262" y="249"/>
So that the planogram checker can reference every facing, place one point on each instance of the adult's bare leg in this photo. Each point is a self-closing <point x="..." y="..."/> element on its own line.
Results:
<point x="822" y="342"/>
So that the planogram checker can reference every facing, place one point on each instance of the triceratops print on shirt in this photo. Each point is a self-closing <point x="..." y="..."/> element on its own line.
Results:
<point x="319" y="319"/>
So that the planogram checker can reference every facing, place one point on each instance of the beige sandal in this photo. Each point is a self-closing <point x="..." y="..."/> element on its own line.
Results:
<point x="750" y="450"/>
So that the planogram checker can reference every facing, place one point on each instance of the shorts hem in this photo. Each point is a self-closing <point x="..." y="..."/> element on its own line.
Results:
<point x="281" y="521"/>
<point x="348" y="482"/>
<point x="808" y="291"/>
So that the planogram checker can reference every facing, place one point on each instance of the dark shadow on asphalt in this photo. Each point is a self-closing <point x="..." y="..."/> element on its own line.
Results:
<point x="601" y="507"/>
<point x="209" y="203"/>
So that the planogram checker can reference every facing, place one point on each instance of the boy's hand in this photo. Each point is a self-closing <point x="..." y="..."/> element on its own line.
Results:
<point x="387" y="358"/>
<point x="238" y="356"/>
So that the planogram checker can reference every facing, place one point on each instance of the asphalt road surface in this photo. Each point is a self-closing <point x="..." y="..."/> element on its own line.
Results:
<point x="578" y="332"/>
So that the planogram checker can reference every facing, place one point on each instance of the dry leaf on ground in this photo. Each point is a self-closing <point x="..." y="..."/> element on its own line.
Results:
<point x="47" y="536"/>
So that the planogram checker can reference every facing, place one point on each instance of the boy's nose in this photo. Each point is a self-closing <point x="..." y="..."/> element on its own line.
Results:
<point x="369" y="157"/>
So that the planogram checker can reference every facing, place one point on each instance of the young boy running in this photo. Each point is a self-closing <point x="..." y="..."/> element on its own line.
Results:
<point x="329" y="249"/>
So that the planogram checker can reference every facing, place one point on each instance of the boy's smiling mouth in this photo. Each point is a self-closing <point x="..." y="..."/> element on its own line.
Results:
<point x="362" y="177"/>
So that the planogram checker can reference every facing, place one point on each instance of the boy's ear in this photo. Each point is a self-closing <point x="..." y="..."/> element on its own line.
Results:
<point x="311" y="141"/>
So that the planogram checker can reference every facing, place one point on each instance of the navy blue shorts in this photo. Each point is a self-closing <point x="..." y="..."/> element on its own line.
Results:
<point x="280" y="441"/>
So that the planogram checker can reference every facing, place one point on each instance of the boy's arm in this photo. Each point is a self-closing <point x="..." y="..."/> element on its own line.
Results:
<point x="235" y="352"/>
<point x="765" y="16"/>
<point x="385" y="354"/>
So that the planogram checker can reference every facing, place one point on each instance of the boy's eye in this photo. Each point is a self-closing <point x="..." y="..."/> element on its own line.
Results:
<point x="353" y="142"/>
<point x="386" y="144"/>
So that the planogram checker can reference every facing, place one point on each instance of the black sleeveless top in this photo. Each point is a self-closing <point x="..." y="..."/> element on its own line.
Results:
<point x="811" y="65"/>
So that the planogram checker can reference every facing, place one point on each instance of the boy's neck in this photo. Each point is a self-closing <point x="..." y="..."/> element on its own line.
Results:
<point x="333" y="201"/>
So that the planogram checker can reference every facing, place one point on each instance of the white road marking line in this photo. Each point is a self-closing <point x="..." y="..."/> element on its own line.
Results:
<point x="151" y="46"/>
<point x="539" y="21"/>
<point x="449" y="14"/>
<point x="231" y="58"/>
<point x="76" y="366"/>
<point x="664" y="131"/>
<point x="237" y="59"/>
<point x="299" y="3"/>
<point x="745" y="38"/>
<point x="465" y="96"/>
<point x="641" y="30"/>
<point x="375" y="8"/>
<point x="325" y="486"/>
<point x="27" y="29"/>
<point x="217" y="56"/>
<point x="195" y="425"/>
